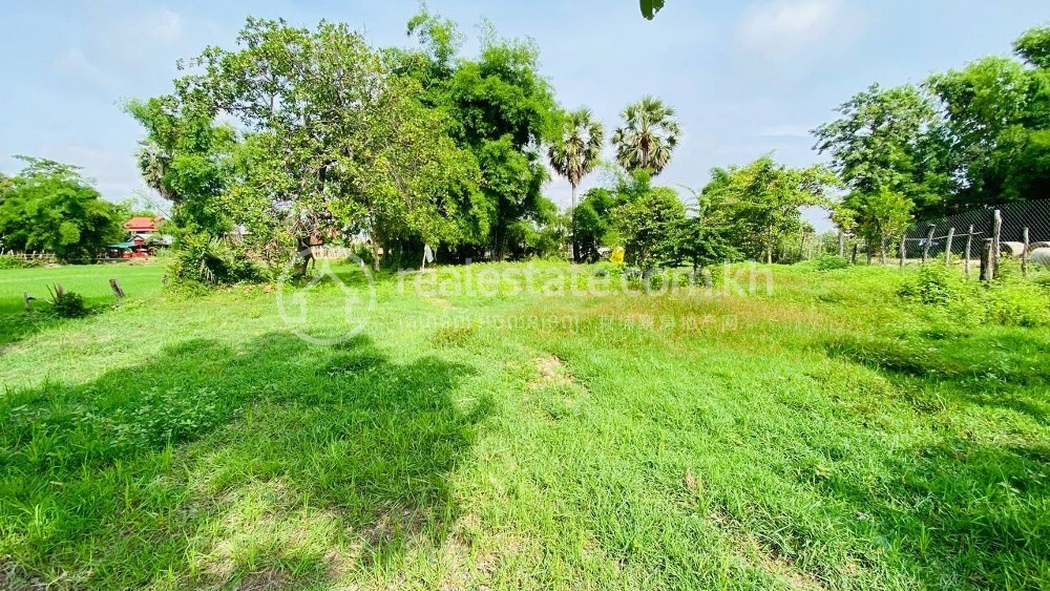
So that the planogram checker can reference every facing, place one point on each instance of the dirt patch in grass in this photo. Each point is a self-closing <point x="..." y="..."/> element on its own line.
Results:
<point x="552" y="373"/>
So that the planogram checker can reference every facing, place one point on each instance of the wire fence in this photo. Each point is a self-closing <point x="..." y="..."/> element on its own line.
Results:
<point x="1022" y="228"/>
<point x="1020" y="221"/>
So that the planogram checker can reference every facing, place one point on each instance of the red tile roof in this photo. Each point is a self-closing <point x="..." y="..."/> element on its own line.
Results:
<point x="142" y="224"/>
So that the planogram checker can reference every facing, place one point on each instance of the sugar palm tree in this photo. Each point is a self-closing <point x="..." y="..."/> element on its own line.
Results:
<point x="154" y="165"/>
<point x="649" y="135"/>
<point x="575" y="154"/>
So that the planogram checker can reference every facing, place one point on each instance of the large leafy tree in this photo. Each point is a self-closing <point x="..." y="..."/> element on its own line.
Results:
<point x="894" y="139"/>
<point x="186" y="157"/>
<point x="998" y="111"/>
<point x="648" y="136"/>
<point x="574" y="154"/>
<point x="334" y="141"/>
<point x="50" y="207"/>
<point x="646" y="224"/>
<point x="501" y="110"/>
<point x="760" y="204"/>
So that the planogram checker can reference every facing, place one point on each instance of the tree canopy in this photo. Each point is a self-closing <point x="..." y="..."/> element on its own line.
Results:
<point x="50" y="207"/>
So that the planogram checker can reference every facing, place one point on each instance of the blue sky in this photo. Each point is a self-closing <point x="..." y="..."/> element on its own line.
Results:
<point x="747" y="77"/>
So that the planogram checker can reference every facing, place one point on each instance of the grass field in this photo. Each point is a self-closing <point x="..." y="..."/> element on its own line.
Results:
<point x="822" y="437"/>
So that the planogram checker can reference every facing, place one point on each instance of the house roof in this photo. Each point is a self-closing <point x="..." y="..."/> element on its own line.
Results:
<point x="143" y="223"/>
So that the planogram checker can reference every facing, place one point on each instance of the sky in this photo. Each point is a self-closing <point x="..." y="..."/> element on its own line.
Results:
<point x="746" y="77"/>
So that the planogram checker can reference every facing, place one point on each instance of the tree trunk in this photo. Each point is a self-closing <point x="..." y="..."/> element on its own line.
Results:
<point x="575" y="242"/>
<point x="375" y="254"/>
<point x="882" y="250"/>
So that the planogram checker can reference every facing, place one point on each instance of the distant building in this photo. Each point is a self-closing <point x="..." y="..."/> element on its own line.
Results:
<point x="144" y="226"/>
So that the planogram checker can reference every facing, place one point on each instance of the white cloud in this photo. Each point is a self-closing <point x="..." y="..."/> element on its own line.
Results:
<point x="782" y="30"/>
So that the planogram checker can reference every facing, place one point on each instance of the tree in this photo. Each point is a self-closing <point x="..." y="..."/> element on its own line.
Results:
<point x="880" y="216"/>
<point x="333" y="142"/>
<point x="648" y="137"/>
<point x="1034" y="47"/>
<point x="646" y="224"/>
<point x="699" y="238"/>
<point x="187" y="159"/>
<point x="761" y="202"/>
<point x="592" y="219"/>
<point x="574" y="154"/>
<point x="891" y="138"/>
<point x="500" y="109"/>
<point x="49" y="207"/>
<point x="998" y="111"/>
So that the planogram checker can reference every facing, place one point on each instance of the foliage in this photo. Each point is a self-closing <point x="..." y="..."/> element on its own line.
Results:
<point x="971" y="137"/>
<point x="187" y="158"/>
<point x="10" y="261"/>
<point x="651" y="7"/>
<point x="68" y="304"/>
<point x="574" y="154"/>
<point x="500" y="110"/>
<point x="648" y="136"/>
<point x="594" y="224"/>
<point x="647" y="224"/>
<point x="1010" y="301"/>
<point x="999" y="114"/>
<point x="49" y="207"/>
<point x="890" y="139"/>
<point x="880" y="217"/>
<point x="759" y="204"/>
<point x="830" y="263"/>
<point x="203" y="261"/>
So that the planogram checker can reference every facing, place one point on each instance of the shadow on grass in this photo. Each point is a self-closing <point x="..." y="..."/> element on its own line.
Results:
<point x="276" y="464"/>
<point x="959" y="513"/>
<point x="1016" y="365"/>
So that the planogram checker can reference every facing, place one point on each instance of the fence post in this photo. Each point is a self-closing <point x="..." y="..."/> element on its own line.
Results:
<point x="904" y="250"/>
<point x="969" y="245"/>
<point x="1024" y="254"/>
<point x="948" y="247"/>
<point x="116" y="289"/>
<point x="997" y="229"/>
<point x="987" y="261"/>
<point x="929" y="243"/>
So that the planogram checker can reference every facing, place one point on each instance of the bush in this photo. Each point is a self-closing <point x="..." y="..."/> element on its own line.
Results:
<point x="830" y="263"/>
<point x="69" y="305"/>
<point x="1009" y="301"/>
<point x="8" y="261"/>
<point x="197" y="260"/>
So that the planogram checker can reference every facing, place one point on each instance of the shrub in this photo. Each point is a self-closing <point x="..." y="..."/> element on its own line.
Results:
<point x="830" y="263"/>
<point x="1009" y="301"/>
<point x="8" y="261"/>
<point x="69" y="304"/>
<point x="197" y="260"/>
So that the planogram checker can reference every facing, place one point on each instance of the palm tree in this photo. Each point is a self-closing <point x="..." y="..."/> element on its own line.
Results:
<point x="649" y="135"/>
<point x="154" y="164"/>
<point x="575" y="154"/>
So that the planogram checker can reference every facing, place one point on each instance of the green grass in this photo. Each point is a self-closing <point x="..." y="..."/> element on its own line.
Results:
<point x="835" y="439"/>
<point x="139" y="281"/>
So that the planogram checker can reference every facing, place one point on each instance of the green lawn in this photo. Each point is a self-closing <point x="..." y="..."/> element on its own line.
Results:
<point x="92" y="281"/>
<point x="833" y="439"/>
